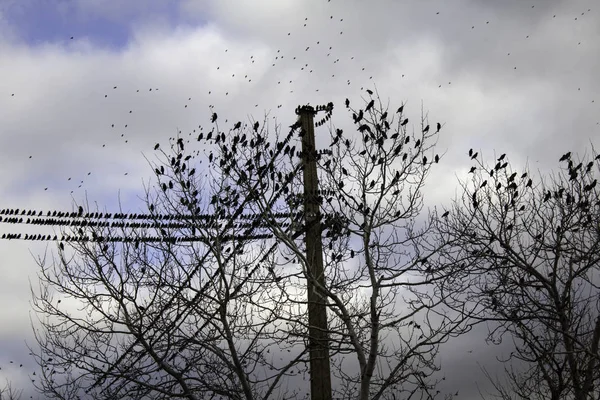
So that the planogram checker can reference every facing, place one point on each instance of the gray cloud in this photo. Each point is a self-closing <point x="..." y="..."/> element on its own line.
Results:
<point x="60" y="117"/>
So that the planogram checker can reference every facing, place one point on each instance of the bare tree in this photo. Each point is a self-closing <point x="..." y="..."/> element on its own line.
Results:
<point x="385" y="322"/>
<point x="8" y="392"/>
<point x="528" y="255"/>
<point x="208" y="300"/>
<point x="180" y="306"/>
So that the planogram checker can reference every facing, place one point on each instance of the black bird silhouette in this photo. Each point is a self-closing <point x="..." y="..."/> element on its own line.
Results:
<point x="426" y="129"/>
<point x="370" y="92"/>
<point x="347" y="103"/>
<point x="589" y="187"/>
<point x="237" y="125"/>
<point x="470" y="152"/>
<point x="400" y="109"/>
<point x="213" y="118"/>
<point x="474" y="156"/>
<point x="404" y="122"/>
<point x="547" y="196"/>
<point x="439" y="126"/>
<point x="565" y="156"/>
<point x="424" y="160"/>
<point x="417" y="143"/>
<point x="359" y="116"/>
<point x="444" y="215"/>
<point x="502" y="157"/>
<point x="370" y="105"/>
<point x="529" y="182"/>
<point x="256" y="125"/>
<point x="472" y="170"/>
<point x="436" y="159"/>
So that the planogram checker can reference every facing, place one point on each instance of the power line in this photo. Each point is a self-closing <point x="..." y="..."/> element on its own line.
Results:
<point x="109" y="220"/>
<point x="122" y="216"/>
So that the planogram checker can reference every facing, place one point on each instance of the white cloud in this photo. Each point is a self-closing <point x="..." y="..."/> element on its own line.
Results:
<point x="60" y="117"/>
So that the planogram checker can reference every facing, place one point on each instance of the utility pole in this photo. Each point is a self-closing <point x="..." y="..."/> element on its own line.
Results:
<point x="320" y="374"/>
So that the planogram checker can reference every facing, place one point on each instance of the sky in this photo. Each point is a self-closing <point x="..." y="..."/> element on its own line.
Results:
<point x="78" y="120"/>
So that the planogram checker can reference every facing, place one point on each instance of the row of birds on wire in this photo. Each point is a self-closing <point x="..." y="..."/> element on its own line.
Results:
<point x="206" y="223"/>
<point x="123" y="216"/>
<point x="130" y="239"/>
<point x="115" y="224"/>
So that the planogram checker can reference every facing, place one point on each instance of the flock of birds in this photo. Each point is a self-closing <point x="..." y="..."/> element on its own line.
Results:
<point x="327" y="51"/>
<point x="337" y="63"/>
<point x="579" y="171"/>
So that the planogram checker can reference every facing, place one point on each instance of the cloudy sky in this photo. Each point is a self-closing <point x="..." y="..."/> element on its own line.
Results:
<point x="77" y="116"/>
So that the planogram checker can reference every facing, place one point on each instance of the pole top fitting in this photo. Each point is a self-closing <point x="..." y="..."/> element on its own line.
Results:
<point x="310" y="109"/>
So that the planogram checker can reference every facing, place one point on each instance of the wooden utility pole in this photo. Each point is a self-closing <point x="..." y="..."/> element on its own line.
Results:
<point x="320" y="374"/>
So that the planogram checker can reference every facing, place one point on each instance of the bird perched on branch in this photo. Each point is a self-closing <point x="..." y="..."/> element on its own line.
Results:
<point x="565" y="157"/>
